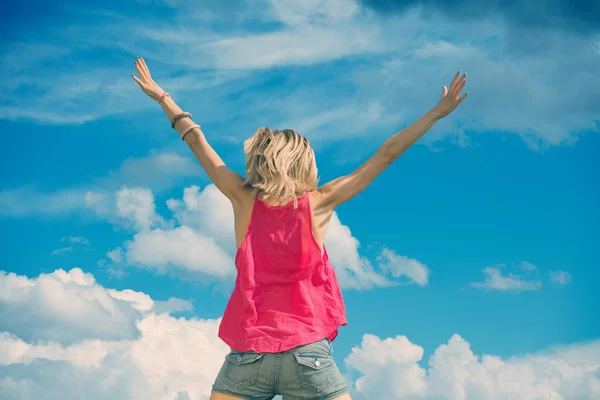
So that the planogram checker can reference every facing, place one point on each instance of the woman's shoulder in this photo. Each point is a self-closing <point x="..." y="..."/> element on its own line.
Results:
<point x="319" y="199"/>
<point x="247" y="196"/>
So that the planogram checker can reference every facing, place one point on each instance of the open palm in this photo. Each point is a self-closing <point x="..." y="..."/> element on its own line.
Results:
<point x="450" y="100"/>
<point x="146" y="82"/>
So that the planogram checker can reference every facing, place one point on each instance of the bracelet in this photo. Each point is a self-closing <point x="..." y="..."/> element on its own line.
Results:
<point x="179" y="116"/>
<point x="165" y="94"/>
<point x="188" y="130"/>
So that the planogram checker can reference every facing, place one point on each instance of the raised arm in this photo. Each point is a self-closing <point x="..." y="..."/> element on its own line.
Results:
<point x="227" y="181"/>
<point x="346" y="187"/>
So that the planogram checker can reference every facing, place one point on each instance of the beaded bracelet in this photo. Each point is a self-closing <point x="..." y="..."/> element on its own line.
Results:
<point x="179" y="116"/>
<point x="165" y="94"/>
<point x="188" y="130"/>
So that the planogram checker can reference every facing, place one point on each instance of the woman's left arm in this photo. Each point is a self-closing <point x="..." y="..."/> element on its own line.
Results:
<point x="226" y="180"/>
<point x="346" y="187"/>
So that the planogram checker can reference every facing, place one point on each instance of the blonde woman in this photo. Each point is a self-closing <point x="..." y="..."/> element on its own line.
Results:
<point x="286" y="306"/>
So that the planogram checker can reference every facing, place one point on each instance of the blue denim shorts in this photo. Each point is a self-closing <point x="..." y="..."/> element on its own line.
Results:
<point x="304" y="372"/>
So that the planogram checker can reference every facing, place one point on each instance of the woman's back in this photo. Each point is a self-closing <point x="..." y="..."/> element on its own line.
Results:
<point x="243" y="213"/>
<point x="286" y="294"/>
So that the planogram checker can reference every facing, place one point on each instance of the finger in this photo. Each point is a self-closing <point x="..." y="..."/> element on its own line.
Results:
<point x="454" y="80"/>
<point x="464" y="96"/>
<point x="444" y="91"/>
<point x="140" y="71"/>
<point x="135" y="78"/>
<point x="460" y="86"/>
<point x="142" y="62"/>
<point x="146" y="68"/>
<point x="144" y="74"/>
<point x="460" y="81"/>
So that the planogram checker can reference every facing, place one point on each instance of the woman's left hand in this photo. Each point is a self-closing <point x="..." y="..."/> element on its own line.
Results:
<point x="450" y="98"/>
<point x="146" y="83"/>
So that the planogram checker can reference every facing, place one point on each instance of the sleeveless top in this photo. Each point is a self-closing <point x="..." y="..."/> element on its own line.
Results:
<point x="286" y="292"/>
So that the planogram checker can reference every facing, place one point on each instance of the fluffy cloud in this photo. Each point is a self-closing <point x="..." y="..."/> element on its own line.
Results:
<point x="352" y="269"/>
<point x="524" y="278"/>
<point x="63" y="307"/>
<point x="189" y="251"/>
<point x="67" y="337"/>
<point x="560" y="277"/>
<point x="401" y="266"/>
<point x="136" y="206"/>
<point x="133" y="208"/>
<point x="389" y="369"/>
<point x="157" y="170"/>
<point x="497" y="279"/>
<point x="179" y="358"/>
<point x="172" y="357"/>
<point x="203" y="245"/>
<point x="208" y="211"/>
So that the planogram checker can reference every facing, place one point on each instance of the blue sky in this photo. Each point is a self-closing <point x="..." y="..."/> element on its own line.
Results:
<point x="480" y="241"/>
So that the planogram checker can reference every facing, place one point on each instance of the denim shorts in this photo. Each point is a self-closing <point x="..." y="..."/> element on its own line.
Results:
<point x="304" y="372"/>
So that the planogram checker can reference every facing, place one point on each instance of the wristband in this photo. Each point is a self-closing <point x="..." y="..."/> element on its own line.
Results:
<point x="165" y="94"/>
<point x="179" y="116"/>
<point x="188" y="130"/>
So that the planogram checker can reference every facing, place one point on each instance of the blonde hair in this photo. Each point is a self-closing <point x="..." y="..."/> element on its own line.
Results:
<point x="280" y="165"/>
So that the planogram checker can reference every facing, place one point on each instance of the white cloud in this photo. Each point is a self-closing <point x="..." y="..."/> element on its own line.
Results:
<point x="136" y="207"/>
<point x="401" y="72"/>
<point x="133" y="208"/>
<point x="389" y="369"/>
<point x="61" y="351"/>
<point x="348" y="121"/>
<point x="395" y="361"/>
<point x="402" y="266"/>
<point x="157" y="170"/>
<point x="62" y="250"/>
<point x="63" y="307"/>
<point x="189" y="252"/>
<point x="352" y="270"/>
<point x="300" y="33"/>
<point x="116" y="255"/>
<point x="560" y="277"/>
<point x="305" y="46"/>
<point x="203" y="244"/>
<point x="76" y="239"/>
<point x="180" y="357"/>
<point x="208" y="211"/>
<point x="527" y="266"/>
<point x="495" y="279"/>
<point x="172" y="305"/>
<point x="171" y="357"/>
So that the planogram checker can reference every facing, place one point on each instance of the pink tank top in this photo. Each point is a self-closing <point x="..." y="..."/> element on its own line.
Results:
<point x="286" y="292"/>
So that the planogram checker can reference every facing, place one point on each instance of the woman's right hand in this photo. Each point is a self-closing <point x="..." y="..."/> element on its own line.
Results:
<point x="146" y="83"/>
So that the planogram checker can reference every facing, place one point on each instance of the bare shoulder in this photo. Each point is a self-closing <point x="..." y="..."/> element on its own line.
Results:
<point x="320" y="199"/>
<point x="245" y="199"/>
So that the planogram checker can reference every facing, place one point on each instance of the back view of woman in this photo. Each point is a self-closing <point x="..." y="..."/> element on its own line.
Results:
<point x="286" y="306"/>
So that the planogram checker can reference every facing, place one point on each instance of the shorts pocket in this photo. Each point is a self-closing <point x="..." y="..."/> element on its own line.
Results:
<point x="241" y="369"/>
<point x="314" y="371"/>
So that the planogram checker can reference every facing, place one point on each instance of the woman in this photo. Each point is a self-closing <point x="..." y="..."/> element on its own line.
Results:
<point x="286" y="306"/>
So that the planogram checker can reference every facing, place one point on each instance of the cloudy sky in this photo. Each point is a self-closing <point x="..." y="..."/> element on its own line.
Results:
<point x="468" y="268"/>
